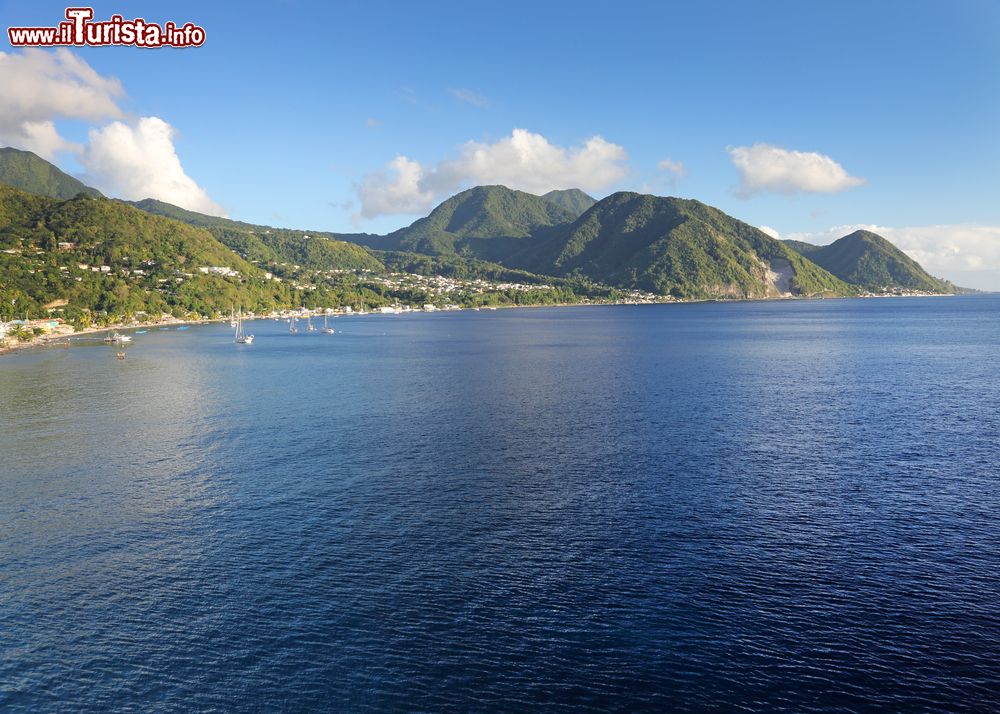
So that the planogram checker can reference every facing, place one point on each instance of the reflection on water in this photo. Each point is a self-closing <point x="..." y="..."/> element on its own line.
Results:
<point x="767" y="506"/>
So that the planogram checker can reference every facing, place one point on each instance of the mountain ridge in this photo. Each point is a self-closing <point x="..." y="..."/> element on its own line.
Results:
<point x="680" y="247"/>
<point x="572" y="199"/>
<point x="29" y="172"/>
<point x="666" y="245"/>
<point x="870" y="261"/>
<point x="316" y="250"/>
<point x="104" y="256"/>
<point x="481" y="213"/>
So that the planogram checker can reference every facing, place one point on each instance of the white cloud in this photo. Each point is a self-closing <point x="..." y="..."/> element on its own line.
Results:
<point x="523" y="161"/>
<point x="966" y="254"/>
<point x="43" y="138"/>
<point x="825" y="237"/>
<point x="770" y="231"/>
<point x="131" y="160"/>
<point x="529" y="162"/>
<point x="40" y="86"/>
<point x="670" y="173"/>
<point x="139" y="161"/>
<point x="467" y="96"/>
<point x="766" y="168"/>
<point x="676" y="168"/>
<point x="395" y="190"/>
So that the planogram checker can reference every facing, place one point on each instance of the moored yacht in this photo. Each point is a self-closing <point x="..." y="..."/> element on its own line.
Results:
<point x="242" y="338"/>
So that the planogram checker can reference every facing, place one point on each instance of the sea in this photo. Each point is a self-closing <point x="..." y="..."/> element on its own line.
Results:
<point x="785" y="506"/>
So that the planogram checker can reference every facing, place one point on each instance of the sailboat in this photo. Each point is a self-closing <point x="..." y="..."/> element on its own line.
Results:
<point x="309" y="322"/>
<point x="241" y="337"/>
<point x="232" y="316"/>
<point x="327" y="330"/>
<point x="291" y="325"/>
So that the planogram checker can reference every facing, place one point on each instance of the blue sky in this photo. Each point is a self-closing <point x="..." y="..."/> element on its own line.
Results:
<point x="291" y="109"/>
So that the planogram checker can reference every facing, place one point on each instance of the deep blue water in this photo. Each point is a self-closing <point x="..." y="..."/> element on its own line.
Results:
<point x="780" y="506"/>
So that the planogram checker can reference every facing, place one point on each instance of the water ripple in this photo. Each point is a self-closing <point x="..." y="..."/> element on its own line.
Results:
<point x="754" y="508"/>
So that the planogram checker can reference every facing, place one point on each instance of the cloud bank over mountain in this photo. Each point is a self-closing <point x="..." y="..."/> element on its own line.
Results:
<point x="127" y="157"/>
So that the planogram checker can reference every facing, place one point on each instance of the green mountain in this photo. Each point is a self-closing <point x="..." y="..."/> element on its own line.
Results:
<point x="626" y="241"/>
<point x="676" y="246"/>
<point x="105" y="257"/>
<point x="870" y="261"/>
<point x="482" y="222"/>
<point x="314" y="250"/>
<point x="29" y="172"/>
<point x="802" y="248"/>
<point x="573" y="200"/>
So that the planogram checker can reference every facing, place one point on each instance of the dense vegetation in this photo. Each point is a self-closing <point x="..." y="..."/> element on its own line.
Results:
<point x="94" y="259"/>
<point x="472" y="269"/>
<point x="315" y="250"/>
<point x="573" y="200"/>
<point x="98" y="261"/>
<point x="806" y="249"/>
<point x="455" y="266"/>
<point x="482" y="214"/>
<point x="868" y="260"/>
<point x="31" y="173"/>
<point x="663" y="245"/>
<point x="106" y="260"/>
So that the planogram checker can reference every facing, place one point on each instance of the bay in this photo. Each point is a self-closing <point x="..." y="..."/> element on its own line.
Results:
<point x="771" y="506"/>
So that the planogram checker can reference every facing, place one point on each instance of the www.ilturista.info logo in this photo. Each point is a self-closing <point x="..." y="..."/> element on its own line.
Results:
<point x="79" y="29"/>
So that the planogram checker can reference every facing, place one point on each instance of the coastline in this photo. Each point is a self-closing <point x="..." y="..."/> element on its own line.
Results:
<point x="64" y="340"/>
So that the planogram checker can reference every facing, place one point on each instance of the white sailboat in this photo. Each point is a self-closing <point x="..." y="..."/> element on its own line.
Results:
<point x="327" y="330"/>
<point x="309" y="322"/>
<point x="232" y="316"/>
<point x="242" y="338"/>
<point x="291" y="325"/>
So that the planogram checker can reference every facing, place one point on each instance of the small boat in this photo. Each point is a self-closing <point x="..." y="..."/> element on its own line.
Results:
<point x="120" y="355"/>
<point x="232" y="317"/>
<point x="309" y="321"/>
<point x="291" y="326"/>
<point x="327" y="330"/>
<point x="118" y="338"/>
<point x="241" y="337"/>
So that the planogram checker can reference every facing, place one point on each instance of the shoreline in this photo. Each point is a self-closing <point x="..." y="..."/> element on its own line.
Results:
<point x="64" y="340"/>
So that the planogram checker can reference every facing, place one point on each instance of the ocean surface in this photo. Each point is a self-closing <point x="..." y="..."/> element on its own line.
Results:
<point x="757" y="507"/>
